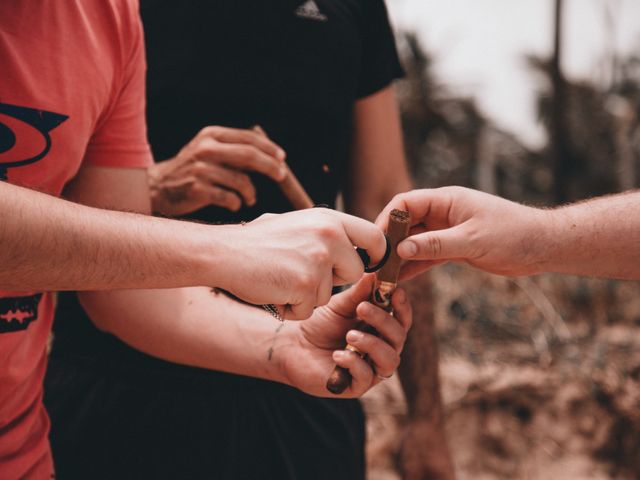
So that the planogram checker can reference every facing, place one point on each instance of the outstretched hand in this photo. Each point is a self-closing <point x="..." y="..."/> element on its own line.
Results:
<point x="464" y="225"/>
<point x="310" y="349"/>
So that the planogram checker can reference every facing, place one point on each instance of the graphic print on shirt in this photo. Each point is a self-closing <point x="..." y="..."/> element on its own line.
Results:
<point x="16" y="313"/>
<point x="24" y="135"/>
<point x="310" y="10"/>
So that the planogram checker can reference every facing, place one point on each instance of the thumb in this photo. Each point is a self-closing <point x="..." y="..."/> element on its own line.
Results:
<point x="345" y="303"/>
<point x="436" y="245"/>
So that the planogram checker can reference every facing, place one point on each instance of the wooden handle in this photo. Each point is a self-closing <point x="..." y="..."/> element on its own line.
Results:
<point x="291" y="186"/>
<point x="295" y="192"/>
<point x="383" y="288"/>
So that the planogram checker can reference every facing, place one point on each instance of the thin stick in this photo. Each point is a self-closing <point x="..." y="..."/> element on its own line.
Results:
<point x="383" y="288"/>
<point x="291" y="186"/>
<point x="295" y="192"/>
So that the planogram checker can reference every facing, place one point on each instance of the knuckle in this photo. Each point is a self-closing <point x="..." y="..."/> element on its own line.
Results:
<point x="196" y="189"/>
<point x="320" y="256"/>
<point x="327" y="230"/>
<point x="211" y="131"/>
<point x="207" y="148"/>
<point x="433" y="246"/>
<point x="307" y="283"/>
<point x="199" y="167"/>
<point x="266" y="216"/>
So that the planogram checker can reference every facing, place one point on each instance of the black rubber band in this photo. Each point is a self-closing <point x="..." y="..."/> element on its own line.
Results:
<point x="364" y="256"/>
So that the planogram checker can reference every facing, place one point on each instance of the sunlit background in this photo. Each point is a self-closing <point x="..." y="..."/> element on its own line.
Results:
<point x="479" y="47"/>
<point x="540" y="377"/>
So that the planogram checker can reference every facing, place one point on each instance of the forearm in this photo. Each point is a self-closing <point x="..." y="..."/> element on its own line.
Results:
<point x="378" y="169"/>
<point x="194" y="327"/>
<point x="53" y="244"/>
<point x="599" y="237"/>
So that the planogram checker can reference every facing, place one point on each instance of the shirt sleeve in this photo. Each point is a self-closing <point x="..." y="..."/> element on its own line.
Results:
<point x="380" y="62"/>
<point x="120" y="137"/>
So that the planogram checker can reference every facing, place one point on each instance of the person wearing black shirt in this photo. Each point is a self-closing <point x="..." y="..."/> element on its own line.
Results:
<point x="316" y="77"/>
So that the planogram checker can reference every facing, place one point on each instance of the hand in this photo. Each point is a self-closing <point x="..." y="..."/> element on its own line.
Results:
<point x="463" y="225"/>
<point x="293" y="260"/>
<point x="309" y="351"/>
<point x="209" y="170"/>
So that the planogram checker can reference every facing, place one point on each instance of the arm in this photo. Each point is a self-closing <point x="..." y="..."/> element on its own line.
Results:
<point x="599" y="237"/>
<point x="194" y="327"/>
<point x="378" y="168"/>
<point x="177" y="324"/>
<point x="290" y="260"/>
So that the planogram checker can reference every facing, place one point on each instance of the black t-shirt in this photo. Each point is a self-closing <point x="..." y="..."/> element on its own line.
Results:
<point x="295" y="67"/>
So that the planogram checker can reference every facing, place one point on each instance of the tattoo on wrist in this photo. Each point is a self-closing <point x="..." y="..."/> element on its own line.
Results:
<point x="273" y="342"/>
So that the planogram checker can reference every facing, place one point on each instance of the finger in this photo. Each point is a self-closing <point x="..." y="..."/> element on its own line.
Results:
<point x="439" y="245"/>
<point x="213" y="195"/>
<point x="345" y="303"/>
<point x="364" y="234"/>
<point x="231" y="179"/>
<point x="389" y="327"/>
<point x="260" y="130"/>
<point x="362" y="375"/>
<point x="257" y="138"/>
<point x="248" y="157"/>
<point x="414" y="268"/>
<point x="347" y="264"/>
<point x="426" y="206"/>
<point x="385" y="358"/>
<point x="402" y="309"/>
<point x="325" y="290"/>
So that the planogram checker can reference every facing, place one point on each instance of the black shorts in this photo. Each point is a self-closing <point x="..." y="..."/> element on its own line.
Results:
<point x="112" y="422"/>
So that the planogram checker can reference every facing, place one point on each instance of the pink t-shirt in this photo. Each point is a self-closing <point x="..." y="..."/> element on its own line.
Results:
<point x="72" y="78"/>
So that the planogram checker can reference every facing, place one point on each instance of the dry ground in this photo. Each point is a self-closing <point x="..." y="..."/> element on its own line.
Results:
<point x="540" y="379"/>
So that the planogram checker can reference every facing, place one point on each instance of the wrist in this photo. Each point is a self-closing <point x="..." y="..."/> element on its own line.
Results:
<point x="279" y="351"/>
<point x="210" y="255"/>
<point x="544" y="240"/>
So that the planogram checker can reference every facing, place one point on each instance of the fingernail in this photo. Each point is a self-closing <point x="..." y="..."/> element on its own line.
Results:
<point x="339" y="355"/>
<point x="281" y="155"/>
<point x="354" y="336"/>
<point x="251" y="202"/>
<point x="282" y="173"/>
<point x="407" y="249"/>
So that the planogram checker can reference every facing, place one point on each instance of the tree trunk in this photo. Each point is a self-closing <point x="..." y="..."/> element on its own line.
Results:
<point x="424" y="454"/>
<point x="560" y="147"/>
<point x="486" y="166"/>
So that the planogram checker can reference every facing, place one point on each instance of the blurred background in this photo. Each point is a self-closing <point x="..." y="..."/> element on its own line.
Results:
<point x="536" y="101"/>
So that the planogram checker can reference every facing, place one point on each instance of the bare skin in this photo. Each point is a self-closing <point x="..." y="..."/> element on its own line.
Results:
<point x="211" y="170"/>
<point x="177" y="325"/>
<point x="193" y="327"/>
<point x="378" y="171"/>
<point x="290" y="260"/>
<point x="598" y="237"/>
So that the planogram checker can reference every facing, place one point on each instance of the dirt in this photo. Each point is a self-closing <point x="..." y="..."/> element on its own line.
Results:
<point x="540" y="379"/>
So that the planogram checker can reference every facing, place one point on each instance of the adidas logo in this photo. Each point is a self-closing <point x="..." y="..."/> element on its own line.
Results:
<point x="310" y="10"/>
